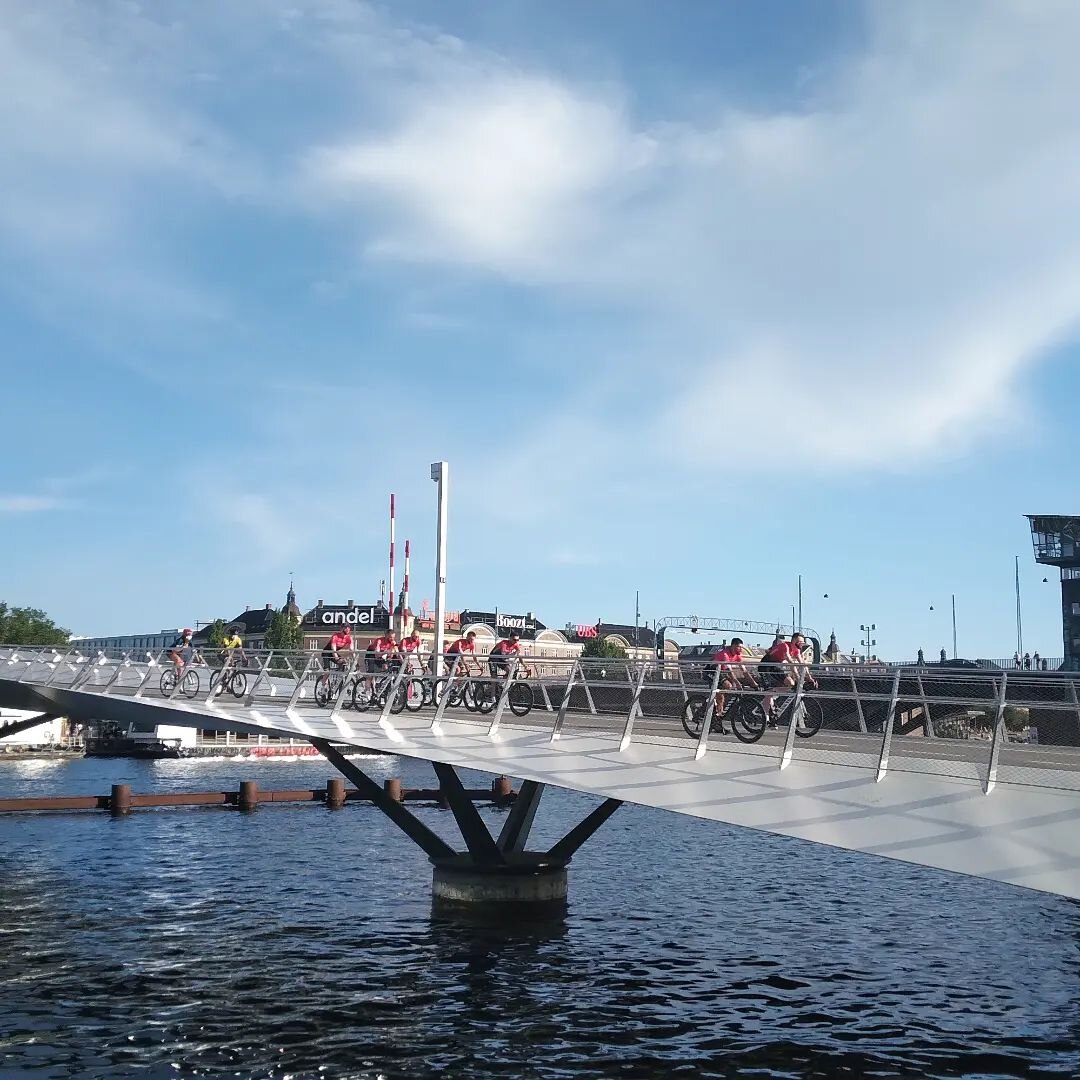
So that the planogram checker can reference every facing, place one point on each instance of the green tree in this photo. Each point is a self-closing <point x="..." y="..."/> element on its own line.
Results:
<point x="29" y="626"/>
<point x="603" y="649"/>
<point x="284" y="633"/>
<point x="215" y="634"/>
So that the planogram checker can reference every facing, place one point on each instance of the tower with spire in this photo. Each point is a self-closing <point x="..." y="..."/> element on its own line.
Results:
<point x="291" y="608"/>
<point x="832" y="653"/>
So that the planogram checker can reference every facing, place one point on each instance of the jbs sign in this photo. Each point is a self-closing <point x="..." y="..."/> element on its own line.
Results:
<point x="584" y="631"/>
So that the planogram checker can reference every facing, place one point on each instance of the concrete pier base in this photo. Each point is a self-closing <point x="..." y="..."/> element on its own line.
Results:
<point x="526" y="879"/>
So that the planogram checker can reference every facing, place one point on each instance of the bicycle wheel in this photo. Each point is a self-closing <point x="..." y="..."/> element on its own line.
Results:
<point x="415" y="694"/>
<point x="520" y="699"/>
<point x="190" y="686"/>
<point x="324" y="690"/>
<point x="485" y="696"/>
<point x="238" y="685"/>
<point x="468" y="695"/>
<point x="747" y="719"/>
<point x="694" y="716"/>
<point x="398" y="701"/>
<point x="362" y="696"/>
<point x="810" y="723"/>
<point x="214" y="676"/>
<point x="168" y="682"/>
<point x="428" y="697"/>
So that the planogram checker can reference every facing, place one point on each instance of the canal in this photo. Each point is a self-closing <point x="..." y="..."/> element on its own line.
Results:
<point x="301" y="942"/>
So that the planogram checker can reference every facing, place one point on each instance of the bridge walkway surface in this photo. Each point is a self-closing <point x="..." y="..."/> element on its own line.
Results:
<point x="956" y="792"/>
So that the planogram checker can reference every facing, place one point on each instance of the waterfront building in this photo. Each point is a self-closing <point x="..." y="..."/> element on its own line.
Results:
<point x="149" y="642"/>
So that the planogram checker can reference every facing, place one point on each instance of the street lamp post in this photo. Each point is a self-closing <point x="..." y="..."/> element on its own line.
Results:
<point x="1019" y="617"/>
<point x="869" y="641"/>
<point x="440" y="473"/>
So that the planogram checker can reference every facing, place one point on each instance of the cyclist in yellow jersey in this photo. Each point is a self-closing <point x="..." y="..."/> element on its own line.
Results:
<point x="232" y="649"/>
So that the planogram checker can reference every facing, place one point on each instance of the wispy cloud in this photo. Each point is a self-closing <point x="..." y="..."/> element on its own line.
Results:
<point x="30" y="504"/>
<point x="875" y="270"/>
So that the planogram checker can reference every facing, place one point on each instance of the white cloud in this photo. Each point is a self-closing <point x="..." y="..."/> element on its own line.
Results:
<point x="867" y="276"/>
<point x="30" y="504"/>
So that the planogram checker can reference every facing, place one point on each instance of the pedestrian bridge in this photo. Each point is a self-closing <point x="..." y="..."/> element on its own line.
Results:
<point x="917" y="764"/>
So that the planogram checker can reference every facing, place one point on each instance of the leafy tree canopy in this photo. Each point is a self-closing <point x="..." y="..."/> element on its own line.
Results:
<point x="29" y="626"/>
<point x="284" y="633"/>
<point x="216" y="634"/>
<point x="601" y="647"/>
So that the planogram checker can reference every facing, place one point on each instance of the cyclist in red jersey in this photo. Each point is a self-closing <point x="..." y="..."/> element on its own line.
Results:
<point x="733" y="672"/>
<point x="499" y="657"/>
<point x="410" y="651"/>
<point x="340" y="641"/>
<point x="780" y="665"/>
<point x="464" y="648"/>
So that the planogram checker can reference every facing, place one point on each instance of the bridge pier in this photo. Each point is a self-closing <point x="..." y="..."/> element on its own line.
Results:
<point x="491" y="870"/>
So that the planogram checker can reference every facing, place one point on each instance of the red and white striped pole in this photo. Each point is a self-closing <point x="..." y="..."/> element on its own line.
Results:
<point x="405" y="584"/>
<point x="393" y="516"/>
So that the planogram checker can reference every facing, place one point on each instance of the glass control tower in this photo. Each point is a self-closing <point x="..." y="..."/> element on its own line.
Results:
<point x="1057" y="543"/>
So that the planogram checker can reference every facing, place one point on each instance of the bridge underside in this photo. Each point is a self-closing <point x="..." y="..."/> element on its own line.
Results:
<point x="935" y="813"/>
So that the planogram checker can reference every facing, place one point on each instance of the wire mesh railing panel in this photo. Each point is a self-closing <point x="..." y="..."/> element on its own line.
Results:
<point x="1035" y="765"/>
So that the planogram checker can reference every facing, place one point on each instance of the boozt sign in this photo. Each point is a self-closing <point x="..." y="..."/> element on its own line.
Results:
<point x="359" y="617"/>
<point x="525" y="625"/>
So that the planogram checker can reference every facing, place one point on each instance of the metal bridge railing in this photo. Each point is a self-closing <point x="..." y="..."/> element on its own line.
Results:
<point x="984" y="725"/>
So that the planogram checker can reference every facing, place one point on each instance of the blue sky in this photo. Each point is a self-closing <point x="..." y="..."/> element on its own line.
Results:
<point x="693" y="298"/>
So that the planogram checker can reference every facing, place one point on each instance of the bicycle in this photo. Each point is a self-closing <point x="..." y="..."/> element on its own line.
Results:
<point x="235" y="681"/>
<point x="374" y="690"/>
<point x="189" y="683"/>
<point x="749" y="720"/>
<point x="329" y="685"/>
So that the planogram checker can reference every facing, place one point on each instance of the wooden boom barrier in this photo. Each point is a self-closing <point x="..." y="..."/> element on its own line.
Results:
<point x="248" y="796"/>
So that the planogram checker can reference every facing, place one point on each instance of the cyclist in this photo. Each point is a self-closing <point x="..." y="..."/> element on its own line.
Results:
<point x="464" y="648"/>
<point x="341" y="641"/>
<point x="733" y="672"/>
<point x="411" y="650"/>
<point x="181" y="651"/>
<point x="232" y="650"/>
<point x="381" y="652"/>
<point x="499" y="657"/>
<point x="780" y="665"/>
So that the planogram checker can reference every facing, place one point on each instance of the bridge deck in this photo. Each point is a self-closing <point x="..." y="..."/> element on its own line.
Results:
<point x="931" y="805"/>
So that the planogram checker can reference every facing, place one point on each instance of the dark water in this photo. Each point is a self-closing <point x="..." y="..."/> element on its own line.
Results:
<point x="301" y="942"/>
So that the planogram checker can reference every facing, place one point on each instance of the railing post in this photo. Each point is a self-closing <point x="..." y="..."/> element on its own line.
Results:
<point x="125" y="662"/>
<point x="995" y="742"/>
<point x="250" y="699"/>
<point x="87" y="673"/>
<point x="796" y="715"/>
<point x="556" y="731"/>
<point x="682" y="683"/>
<point x="858" y="704"/>
<point x="635" y="709"/>
<point x="710" y="709"/>
<point x="298" y="689"/>
<point x="152" y="665"/>
<point x="336" y="711"/>
<point x="384" y="716"/>
<point x="440" y="705"/>
<point x="928" y="723"/>
<point x="56" y="667"/>
<point x="887" y="729"/>
<point x="588" y="692"/>
<point x="504" y="694"/>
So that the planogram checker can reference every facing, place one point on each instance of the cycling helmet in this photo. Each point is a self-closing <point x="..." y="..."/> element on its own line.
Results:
<point x="186" y="632"/>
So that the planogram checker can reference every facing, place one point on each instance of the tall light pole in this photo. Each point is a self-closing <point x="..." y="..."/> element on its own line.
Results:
<point x="440" y="473"/>
<point x="869" y="641"/>
<point x="1019" y="618"/>
<point x="800" y="602"/>
<point x="954" y="626"/>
